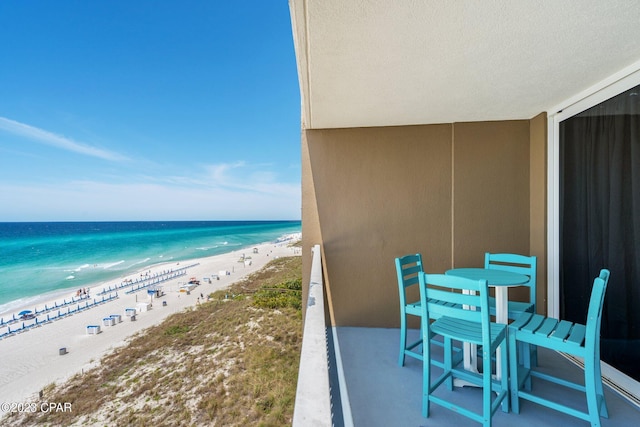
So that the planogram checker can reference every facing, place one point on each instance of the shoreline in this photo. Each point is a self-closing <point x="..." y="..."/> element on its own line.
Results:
<point x="46" y="257"/>
<point x="33" y="359"/>
<point x="38" y="301"/>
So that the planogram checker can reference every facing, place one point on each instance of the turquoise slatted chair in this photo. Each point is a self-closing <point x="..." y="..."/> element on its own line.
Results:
<point x="571" y="338"/>
<point x="459" y="324"/>
<point x="407" y="269"/>
<point x="520" y="264"/>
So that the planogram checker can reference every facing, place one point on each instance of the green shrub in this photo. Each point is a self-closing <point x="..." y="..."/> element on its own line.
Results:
<point x="283" y="295"/>
<point x="176" y="330"/>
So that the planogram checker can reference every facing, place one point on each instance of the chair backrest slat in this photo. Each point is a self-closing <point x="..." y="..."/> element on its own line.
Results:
<point x="410" y="274"/>
<point x="437" y="310"/>
<point x="507" y="258"/>
<point x="407" y="269"/>
<point x="442" y="296"/>
<point x="447" y="299"/>
<point x="515" y="263"/>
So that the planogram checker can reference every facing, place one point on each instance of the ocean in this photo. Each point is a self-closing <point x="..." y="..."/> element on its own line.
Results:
<point x="37" y="259"/>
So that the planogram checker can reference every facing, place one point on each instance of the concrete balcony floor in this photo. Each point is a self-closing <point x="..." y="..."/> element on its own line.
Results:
<point x="383" y="394"/>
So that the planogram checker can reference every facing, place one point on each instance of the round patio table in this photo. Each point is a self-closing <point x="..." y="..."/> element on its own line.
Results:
<point x="500" y="280"/>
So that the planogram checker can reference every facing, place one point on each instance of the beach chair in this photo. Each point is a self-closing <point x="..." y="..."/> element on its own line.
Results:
<point x="570" y="338"/>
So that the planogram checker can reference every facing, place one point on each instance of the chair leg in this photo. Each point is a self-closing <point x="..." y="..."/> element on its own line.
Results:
<point x="527" y="361"/>
<point x="534" y="355"/>
<point x="596" y="403"/>
<point x="448" y="361"/>
<point x="403" y="338"/>
<point x="486" y="389"/>
<point x="426" y="372"/>
<point x="513" y="368"/>
<point x="592" y="398"/>
<point x="604" y="412"/>
<point x="504" y="375"/>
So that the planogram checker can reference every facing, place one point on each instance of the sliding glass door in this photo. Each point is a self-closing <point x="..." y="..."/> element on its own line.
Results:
<point x="599" y="221"/>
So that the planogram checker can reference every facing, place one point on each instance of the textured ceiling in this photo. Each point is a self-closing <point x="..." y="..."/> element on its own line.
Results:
<point x="399" y="62"/>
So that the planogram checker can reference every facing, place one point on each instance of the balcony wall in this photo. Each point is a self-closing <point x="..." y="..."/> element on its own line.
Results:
<point x="449" y="191"/>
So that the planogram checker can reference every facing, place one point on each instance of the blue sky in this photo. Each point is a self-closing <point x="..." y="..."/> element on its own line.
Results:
<point x="148" y="110"/>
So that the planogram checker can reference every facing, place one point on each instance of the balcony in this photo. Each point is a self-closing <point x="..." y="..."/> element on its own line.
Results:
<point x="349" y="376"/>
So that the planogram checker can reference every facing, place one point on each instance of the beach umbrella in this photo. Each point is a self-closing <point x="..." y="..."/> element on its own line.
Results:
<point x="24" y="312"/>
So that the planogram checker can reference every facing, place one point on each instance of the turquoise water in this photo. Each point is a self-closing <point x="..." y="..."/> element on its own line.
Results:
<point x="41" y="258"/>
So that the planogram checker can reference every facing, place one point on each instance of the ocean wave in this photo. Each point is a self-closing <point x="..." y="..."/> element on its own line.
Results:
<point x="71" y="277"/>
<point x="113" y="264"/>
<point x="81" y="267"/>
<point x="141" y="262"/>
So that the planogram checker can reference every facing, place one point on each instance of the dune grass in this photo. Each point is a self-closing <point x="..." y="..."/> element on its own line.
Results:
<point x="232" y="361"/>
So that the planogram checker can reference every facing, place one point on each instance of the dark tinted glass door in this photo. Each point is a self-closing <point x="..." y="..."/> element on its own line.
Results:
<point x="600" y="222"/>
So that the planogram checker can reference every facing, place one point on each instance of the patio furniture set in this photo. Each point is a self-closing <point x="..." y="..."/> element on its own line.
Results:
<point x="455" y="307"/>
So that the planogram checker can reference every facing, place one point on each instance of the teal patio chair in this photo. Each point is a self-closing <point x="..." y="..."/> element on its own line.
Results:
<point x="570" y="338"/>
<point x="520" y="264"/>
<point x="454" y="322"/>
<point x="407" y="269"/>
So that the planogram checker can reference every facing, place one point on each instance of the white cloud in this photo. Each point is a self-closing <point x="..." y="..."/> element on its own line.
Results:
<point x="232" y="190"/>
<point x="219" y="174"/>
<point x="240" y="176"/>
<point x="49" y="138"/>
<point x="89" y="200"/>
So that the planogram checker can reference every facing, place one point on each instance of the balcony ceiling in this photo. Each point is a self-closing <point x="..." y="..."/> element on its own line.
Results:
<point x="399" y="62"/>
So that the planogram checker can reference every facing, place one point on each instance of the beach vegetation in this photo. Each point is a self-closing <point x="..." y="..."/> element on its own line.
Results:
<point x="231" y="361"/>
<point x="282" y="295"/>
<point x="176" y="330"/>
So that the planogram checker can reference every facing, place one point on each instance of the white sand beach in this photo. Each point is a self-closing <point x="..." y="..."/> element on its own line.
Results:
<point x="31" y="360"/>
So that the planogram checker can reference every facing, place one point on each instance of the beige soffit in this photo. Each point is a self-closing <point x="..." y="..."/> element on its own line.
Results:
<point x="399" y="62"/>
